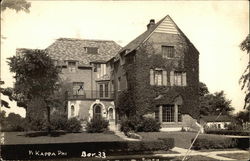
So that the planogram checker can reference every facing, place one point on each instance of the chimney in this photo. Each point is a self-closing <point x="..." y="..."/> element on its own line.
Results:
<point x="151" y="24"/>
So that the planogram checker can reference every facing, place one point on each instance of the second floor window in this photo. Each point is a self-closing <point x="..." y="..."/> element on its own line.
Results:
<point x="180" y="78"/>
<point x="167" y="51"/>
<point x="158" y="77"/>
<point x="72" y="66"/>
<point x="104" y="90"/>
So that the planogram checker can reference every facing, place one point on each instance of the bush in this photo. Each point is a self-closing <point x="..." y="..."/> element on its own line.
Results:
<point x="221" y="143"/>
<point x="59" y="121"/>
<point x="214" y="143"/>
<point x="73" y="125"/>
<point x="228" y="132"/>
<point x="138" y="124"/>
<point x="97" y="125"/>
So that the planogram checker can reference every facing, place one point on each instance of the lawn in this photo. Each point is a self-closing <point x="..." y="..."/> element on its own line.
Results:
<point x="20" y="138"/>
<point x="182" y="139"/>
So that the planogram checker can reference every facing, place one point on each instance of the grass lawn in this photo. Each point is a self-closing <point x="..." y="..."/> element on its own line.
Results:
<point x="238" y="156"/>
<point x="182" y="139"/>
<point x="194" y="158"/>
<point x="20" y="138"/>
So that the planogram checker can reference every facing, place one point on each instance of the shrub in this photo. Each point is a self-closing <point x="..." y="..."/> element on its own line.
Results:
<point x="149" y="125"/>
<point x="59" y="121"/>
<point x="140" y="124"/>
<point x="97" y="125"/>
<point x="168" y="142"/>
<point x="228" y="132"/>
<point x="220" y="143"/>
<point x="73" y="125"/>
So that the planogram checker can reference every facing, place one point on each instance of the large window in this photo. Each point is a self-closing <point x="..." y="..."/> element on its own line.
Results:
<point x="167" y="51"/>
<point x="78" y="88"/>
<point x="168" y="113"/>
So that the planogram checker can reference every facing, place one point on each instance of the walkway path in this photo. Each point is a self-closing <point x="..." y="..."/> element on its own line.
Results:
<point x="212" y="154"/>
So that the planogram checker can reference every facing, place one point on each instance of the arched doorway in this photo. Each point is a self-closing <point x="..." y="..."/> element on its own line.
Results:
<point x="97" y="111"/>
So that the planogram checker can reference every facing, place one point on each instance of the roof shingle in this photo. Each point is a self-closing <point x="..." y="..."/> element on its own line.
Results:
<point x="75" y="49"/>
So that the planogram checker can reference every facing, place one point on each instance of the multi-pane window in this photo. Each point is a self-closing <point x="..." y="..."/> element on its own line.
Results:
<point x="104" y="92"/>
<point x="168" y="113"/>
<point x="78" y="88"/>
<point x="167" y="51"/>
<point x="91" y="50"/>
<point x="72" y="66"/>
<point x="180" y="78"/>
<point x="158" y="77"/>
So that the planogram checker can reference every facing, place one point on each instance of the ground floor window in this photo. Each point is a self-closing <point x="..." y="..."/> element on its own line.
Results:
<point x="168" y="113"/>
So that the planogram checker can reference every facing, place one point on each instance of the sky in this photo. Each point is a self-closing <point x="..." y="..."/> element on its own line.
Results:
<point x="216" y="28"/>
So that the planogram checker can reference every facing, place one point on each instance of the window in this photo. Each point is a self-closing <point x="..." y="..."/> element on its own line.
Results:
<point x="177" y="78"/>
<point x="91" y="50"/>
<point x="168" y="113"/>
<point x="78" y="88"/>
<point x="158" y="77"/>
<point x="167" y="51"/>
<point x="72" y="111"/>
<point x="104" y="92"/>
<point x="72" y="66"/>
<point x="180" y="78"/>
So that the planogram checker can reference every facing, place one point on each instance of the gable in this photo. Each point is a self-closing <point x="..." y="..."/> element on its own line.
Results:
<point x="167" y="26"/>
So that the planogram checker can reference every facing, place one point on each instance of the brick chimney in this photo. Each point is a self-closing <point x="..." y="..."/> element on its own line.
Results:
<point x="151" y="24"/>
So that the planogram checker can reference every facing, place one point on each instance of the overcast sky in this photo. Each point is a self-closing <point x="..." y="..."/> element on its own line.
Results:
<point x="215" y="28"/>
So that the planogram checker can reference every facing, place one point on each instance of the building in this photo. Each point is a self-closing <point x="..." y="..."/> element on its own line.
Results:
<point x="84" y="68"/>
<point x="217" y="122"/>
<point x="164" y="78"/>
<point x="167" y="74"/>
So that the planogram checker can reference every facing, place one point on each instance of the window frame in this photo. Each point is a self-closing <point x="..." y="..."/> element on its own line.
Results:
<point x="169" y="51"/>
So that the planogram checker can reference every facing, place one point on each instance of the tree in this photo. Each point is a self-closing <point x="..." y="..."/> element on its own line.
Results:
<point x="213" y="104"/>
<point x="245" y="46"/>
<point x="18" y="5"/>
<point x="203" y="90"/>
<point x="36" y="82"/>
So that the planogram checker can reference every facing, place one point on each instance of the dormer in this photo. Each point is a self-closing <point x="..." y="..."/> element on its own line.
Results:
<point x="91" y="50"/>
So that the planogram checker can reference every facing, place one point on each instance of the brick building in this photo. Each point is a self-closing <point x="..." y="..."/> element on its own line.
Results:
<point x="172" y="81"/>
<point x="83" y="65"/>
<point x="96" y="71"/>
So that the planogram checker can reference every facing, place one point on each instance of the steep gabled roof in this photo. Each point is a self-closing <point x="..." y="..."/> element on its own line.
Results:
<point x="165" y="25"/>
<point x="75" y="49"/>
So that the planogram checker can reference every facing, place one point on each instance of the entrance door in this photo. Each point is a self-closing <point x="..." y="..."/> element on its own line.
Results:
<point x="97" y="112"/>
